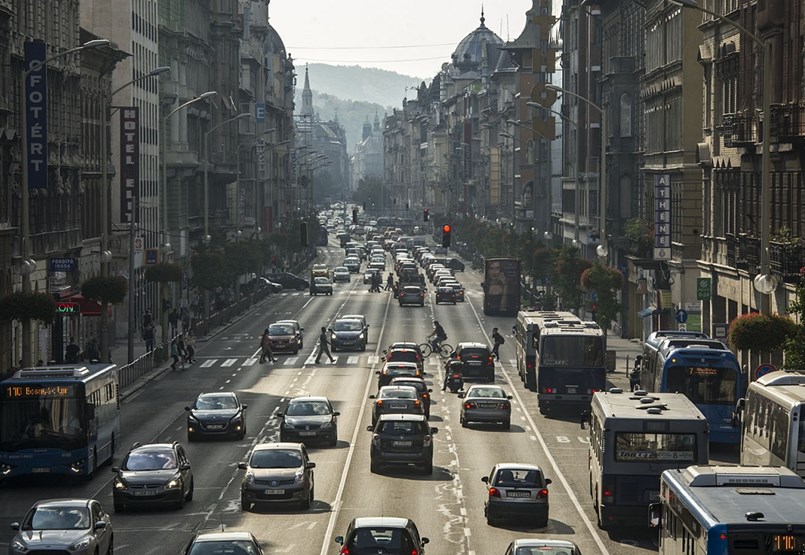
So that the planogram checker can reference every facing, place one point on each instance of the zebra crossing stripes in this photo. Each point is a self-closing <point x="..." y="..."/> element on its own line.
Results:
<point x="290" y="361"/>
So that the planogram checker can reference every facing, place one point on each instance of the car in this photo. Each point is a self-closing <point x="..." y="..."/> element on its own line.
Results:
<point x="321" y="286"/>
<point x="279" y="473"/>
<point x="445" y="295"/>
<point x="74" y="526"/>
<point x="353" y="264"/>
<point x="223" y="543"/>
<point x="289" y="281"/>
<point x="402" y="439"/>
<point x="369" y="274"/>
<point x="286" y="336"/>
<point x="485" y="403"/>
<point x="377" y="265"/>
<point x="458" y="289"/>
<point x="421" y="388"/>
<point x="153" y="474"/>
<point x="387" y="535"/>
<point x="362" y="319"/>
<point x="215" y="415"/>
<point x="396" y="399"/>
<point x="392" y="370"/>
<point x="341" y="273"/>
<point x="516" y="490"/>
<point x="319" y="270"/>
<point x="530" y="546"/>
<point x="411" y="295"/>
<point x="405" y="354"/>
<point x="348" y="333"/>
<point x="405" y="345"/>
<point x="479" y="362"/>
<point x="309" y="419"/>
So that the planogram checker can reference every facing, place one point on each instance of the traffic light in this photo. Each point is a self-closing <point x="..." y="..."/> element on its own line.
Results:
<point x="354" y="215"/>
<point x="303" y="234"/>
<point x="446" y="229"/>
<point x="425" y="215"/>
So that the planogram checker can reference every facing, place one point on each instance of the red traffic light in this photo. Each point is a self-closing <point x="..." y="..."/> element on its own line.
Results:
<point x="446" y="228"/>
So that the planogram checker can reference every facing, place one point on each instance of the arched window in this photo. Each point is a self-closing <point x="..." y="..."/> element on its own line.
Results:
<point x="626" y="116"/>
<point x="531" y="152"/>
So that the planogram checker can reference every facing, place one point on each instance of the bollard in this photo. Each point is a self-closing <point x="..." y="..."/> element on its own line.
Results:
<point x="626" y="370"/>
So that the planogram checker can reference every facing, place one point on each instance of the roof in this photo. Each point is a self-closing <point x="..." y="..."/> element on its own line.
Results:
<point x="472" y="345"/>
<point x="63" y="501"/>
<point x="403" y="417"/>
<point x="276" y="445"/>
<point x="534" y="542"/>
<point x="642" y="407"/>
<point x="368" y="521"/>
<point x="222" y="536"/>
<point x="309" y="398"/>
<point x="390" y="388"/>
<point x="517" y="466"/>
<point x="473" y="48"/>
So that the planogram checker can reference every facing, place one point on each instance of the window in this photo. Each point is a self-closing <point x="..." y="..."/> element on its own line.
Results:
<point x="703" y="385"/>
<point x="655" y="447"/>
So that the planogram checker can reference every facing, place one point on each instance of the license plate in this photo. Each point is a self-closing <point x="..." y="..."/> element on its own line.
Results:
<point x="571" y="390"/>
<point x="216" y="427"/>
<point x="397" y="405"/>
<point x="487" y="405"/>
<point x="275" y="492"/>
<point x="402" y="443"/>
<point x="518" y="494"/>
<point x="40" y="470"/>
<point x="307" y="433"/>
<point x="474" y="363"/>
<point x="145" y="493"/>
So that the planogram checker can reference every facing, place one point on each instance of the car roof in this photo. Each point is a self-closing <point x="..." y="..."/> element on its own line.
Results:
<point x="354" y="316"/>
<point x="402" y="350"/>
<point x="296" y="322"/>
<point x="534" y="542"/>
<point x="518" y="466"/>
<point x="401" y="364"/>
<point x="405" y="417"/>
<point x="217" y="394"/>
<point x="400" y="379"/>
<point x="472" y="345"/>
<point x="484" y="386"/>
<point x="277" y="445"/>
<point x="62" y="502"/>
<point x="153" y="447"/>
<point x="403" y="345"/>
<point x="388" y="521"/>
<point x="307" y="398"/>
<point x="347" y="319"/>
<point x="223" y="536"/>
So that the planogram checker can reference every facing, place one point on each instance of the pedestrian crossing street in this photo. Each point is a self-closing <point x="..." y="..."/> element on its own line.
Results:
<point x="337" y="291"/>
<point x="294" y="361"/>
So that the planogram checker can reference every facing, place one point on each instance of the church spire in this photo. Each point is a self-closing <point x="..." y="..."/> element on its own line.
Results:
<point x="483" y="19"/>
<point x="307" y="97"/>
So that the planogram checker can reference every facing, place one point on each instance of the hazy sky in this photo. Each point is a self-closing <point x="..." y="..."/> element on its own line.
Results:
<point x="412" y="37"/>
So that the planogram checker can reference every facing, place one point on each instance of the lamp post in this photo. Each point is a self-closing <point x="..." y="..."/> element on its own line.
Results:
<point x="28" y="265"/>
<point x="514" y="140"/>
<point x="764" y="282"/>
<point x="165" y="243"/>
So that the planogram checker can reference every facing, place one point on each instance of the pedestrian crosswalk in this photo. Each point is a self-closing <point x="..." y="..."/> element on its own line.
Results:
<point x="340" y="359"/>
<point x="338" y="291"/>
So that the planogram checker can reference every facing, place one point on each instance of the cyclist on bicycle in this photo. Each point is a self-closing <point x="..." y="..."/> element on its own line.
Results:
<point x="438" y="335"/>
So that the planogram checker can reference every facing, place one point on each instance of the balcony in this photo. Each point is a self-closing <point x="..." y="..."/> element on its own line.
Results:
<point x="749" y="249"/>
<point x="739" y="130"/>
<point x="732" y="247"/>
<point x="787" y="122"/>
<point x="785" y="260"/>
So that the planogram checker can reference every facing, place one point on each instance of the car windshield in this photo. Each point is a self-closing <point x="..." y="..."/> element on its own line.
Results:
<point x="402" y="356"/>
<point x="223" y="547"/>
<point x="58" y="518"/>
<point x="490" y="392"/>
<point x="321" y="280"/>
<point x="307" y="408"/>
<point x="412" y="290"/>
<point x="347" y="325"/>
<point x="216" y="402"/>
<point x="280" y="329"/>
<point x="419" y="386"/>
<point x="474" y="353"/>
<point x="401" y="370"/>
<point x="151" y="460"/>
<point x="517" y="478"/>
<point x="397" y="393"/>
<point x="341" y="271"/>
<point x="276" y="458"/>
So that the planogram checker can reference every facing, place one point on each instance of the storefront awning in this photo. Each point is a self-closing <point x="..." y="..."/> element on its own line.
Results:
<point x="648" y="311"/>
<point x="86" y="307"/>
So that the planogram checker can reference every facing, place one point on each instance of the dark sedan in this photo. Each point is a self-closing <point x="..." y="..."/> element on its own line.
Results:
<point x="411" y="294"/>
<point x="284" y="337"/>
<point x="289" y="281"/>
<point x="155" y="474"/>
<point x="234" y="543"/>
<point x="216" y="415"/>
<point x="445" y="295"/>
<point x="309" y="419"/>
<point x="348" y="333"/>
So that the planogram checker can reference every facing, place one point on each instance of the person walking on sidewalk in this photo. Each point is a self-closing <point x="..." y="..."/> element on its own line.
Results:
<point x="323" y="346"/>
<point x="148" y="337"/>
<point x="190" y="347"/>
<point x="72" y="352"/>
<point x="265" y="348"/>
<point x="175" y="354"/>
<point x="498" y="341"/>
<point x="92" y="351"/>
<point x="173" y="319"/>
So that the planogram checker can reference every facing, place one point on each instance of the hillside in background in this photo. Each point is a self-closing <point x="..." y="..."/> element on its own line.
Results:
<point x="351" y="114"/>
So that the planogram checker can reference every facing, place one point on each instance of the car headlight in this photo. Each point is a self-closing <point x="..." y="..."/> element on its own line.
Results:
<point x="120" y="484"/>
<point x="287" y="425"/>
<point x="327" y="425"/>
<point x="249" y="478"/>
<point x="173" y="484"/>
<point x="80" y="545"/>
<point x="192" y="419"/>
<point x="19" y="547"/>
<point x="299" y="477"/>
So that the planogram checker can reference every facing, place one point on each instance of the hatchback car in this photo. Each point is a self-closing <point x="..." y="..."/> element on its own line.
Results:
<point x="348" y="333"/>
<point x="533" y="546"/>
<point x="445" y="295"/>
<point x="392" y="370"/>
<point x="405" y="354"/>
<point x="515" y="490"/>
<point x="309" y="419"/>
<point x="321" y="286"/>
<point x="485" y="403"/>
<point x="396" y="399"/>
<point x="154" y="474"/>
<point x="458" y="289"/>
<point x="277" y="473"/>
<point x="402" y="439"/>
<point x="405" y="345"/>
<point x="387" y="535"/>
<point x="353" y="264"/>
<point x="285" y="336"/>
<point x="216" y="415"/>
<point x="369" y="274"/>
<point x="320" y="270"/>
<point x="75" y="526"/>
<point x="421" y="388"/>
<point x="479" y="362"/>
<point x="411" y="295"/>
<point x="223" y="543"/>
<point x="289" y="281"/>
<point x="341" y="274"/>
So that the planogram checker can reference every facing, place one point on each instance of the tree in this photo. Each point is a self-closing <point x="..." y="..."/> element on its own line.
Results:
<point x="567" y="272"/>
<point x="209" y="270"/>
<point x="760" y="332"/>
<point x="794" y="344"/>
<point x="368" y="191"/>
<point x="28" y="306"/>
<point x="604" y="282"/>
<point x="164" y="272"/>
<point x="106" y="289"/>
<point x="637" y="231"/>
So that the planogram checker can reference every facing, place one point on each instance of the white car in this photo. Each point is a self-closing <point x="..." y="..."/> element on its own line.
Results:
<point x="341" y="273"/>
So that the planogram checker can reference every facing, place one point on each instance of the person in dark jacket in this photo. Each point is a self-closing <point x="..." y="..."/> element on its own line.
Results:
<point x="498" y="341"/>
<point x="72" y="352"/>
<point x="324" y="346"/>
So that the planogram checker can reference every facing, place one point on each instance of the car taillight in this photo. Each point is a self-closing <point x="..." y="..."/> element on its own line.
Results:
<point x="402" y="294"/>
<point x="417" y="403"/>
<point x="426" y="395"/>
<point x="415" y="551"/>
<point x="469" y="405"/>
<point x="494" y="492"/>
<point x="548" y="390"/>
<point x="607" y="494"/>
<point x="489" y="358"/>
<point x="593" y="391"/>
<point x="542" y="494"/>
<point x="473" y="356"/>
<point x="530" y="362"/>
<point x="504" y="406"/>
<point x="456" y="375"/>
<point x="344" y="551"/>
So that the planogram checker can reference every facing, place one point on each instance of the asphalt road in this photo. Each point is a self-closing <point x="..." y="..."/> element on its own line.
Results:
<point x="447" y="506"/>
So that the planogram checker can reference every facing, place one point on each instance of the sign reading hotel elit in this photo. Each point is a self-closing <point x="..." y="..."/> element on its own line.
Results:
<point x="36" y="114"/>
<point x="662" y="217"/>
<point x="129" y="163"/>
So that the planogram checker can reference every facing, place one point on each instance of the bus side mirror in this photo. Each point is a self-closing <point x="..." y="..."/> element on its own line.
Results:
<point x="655" y="516"/>
<point x="90" y="412"/>
<point x="514" y="330"/>
<point x="585" y="420"/>
<point x="738" y="414"/>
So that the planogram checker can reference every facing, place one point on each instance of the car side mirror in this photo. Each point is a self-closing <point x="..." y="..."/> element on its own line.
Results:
<point x="339" y="540"/>
<point x="509" y="397"/>
<point x="548" y="481"/>
<point x="301" y="329"/>
<point x="336" y="413"/>
<point x="15" y="525"/>
<point x="425" y="540"/>
<point x="242" y="466"/>
<point x="310" y="465"/>
<point x="115" y="469"/>
<point x="280" y="414"/>
<point x="429" y="389"/>
<point x="377" y="372"/>
<point x="485" y="479"/>
<point x="370" y="428"/>
<point x="372" y="396"/>
<point x="100" y="525"/>
<point x="244" y="407"/>
<point x="188" y="408"/>
<point x="184" y="467"/>
<point x="434" y="431"/>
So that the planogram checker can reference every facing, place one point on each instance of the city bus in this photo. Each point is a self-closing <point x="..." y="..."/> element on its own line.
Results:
<point x="501" y="286"/>
<point x="61" y="420"/>
<point x="772" y="421"/>
<point x="560" y="357"/>
<point x="634" y="436"/>
<point x="730" y="510"/>
<point x="704" y="370"/>
<point x="324" y="236"/>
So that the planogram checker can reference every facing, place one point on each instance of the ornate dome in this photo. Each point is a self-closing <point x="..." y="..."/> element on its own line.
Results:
<point x="473" y="48"/>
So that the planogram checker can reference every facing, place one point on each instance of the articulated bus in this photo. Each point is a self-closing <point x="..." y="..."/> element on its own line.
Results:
<point x="701" y="368"/>
<point x="634" y="436"/>
<point x="772" y="420"/>
<point x="560" y="357"/>
<point x="59" y="420"/>
<point x="730" y="510"/>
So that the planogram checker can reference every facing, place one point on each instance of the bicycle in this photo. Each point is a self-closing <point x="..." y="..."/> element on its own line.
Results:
<point x="427" y="349"/>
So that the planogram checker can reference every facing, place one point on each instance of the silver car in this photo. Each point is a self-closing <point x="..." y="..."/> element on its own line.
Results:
<point x="277" y="473"/>
<point x="533" y="546"/>
<point x="485" y="403"/>
<point x="75" y="526"/>
<point x="396" y="399"/>
<point x="516" y="490"/>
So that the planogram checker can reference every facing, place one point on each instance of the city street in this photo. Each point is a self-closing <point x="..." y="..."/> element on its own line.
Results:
<point x="447" y="506"/>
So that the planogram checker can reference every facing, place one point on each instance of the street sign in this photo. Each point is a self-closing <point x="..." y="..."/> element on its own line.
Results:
<point x="681" y="316"/>
<point x="703" y="289"/>
<point x="681" y="327"/>
<point x="720" y="331"/>
<point x="763" y="369"/>
<point x="63" y="264"/>
<point x="151" y="256"/>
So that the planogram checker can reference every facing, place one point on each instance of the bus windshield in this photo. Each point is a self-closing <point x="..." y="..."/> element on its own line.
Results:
<point x="657" y="447"/>
<point x="703" y="385"/>
<point x="41" y="422"/>
<point x="572" y="350"/>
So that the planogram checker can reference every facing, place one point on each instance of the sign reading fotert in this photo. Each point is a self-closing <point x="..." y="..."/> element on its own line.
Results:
<point x="129" y="163"/>
<point x="36" y="114"/>
<point x="662" y="217"/>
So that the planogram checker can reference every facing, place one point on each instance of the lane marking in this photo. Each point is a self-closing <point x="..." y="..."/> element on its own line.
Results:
<point x="208" y="363"/>
<point x="229" y="362"/>
<point x="249" y="362"/>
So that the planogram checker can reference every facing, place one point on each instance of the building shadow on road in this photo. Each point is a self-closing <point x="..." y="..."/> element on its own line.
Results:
<point x="555" y="527"/>
<point x="415" y="473"/>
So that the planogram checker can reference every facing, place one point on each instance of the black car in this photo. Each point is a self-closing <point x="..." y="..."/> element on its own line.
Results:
<point x="388" y="535"/>
<point x="231" y="543"/>
<point x="348" y="333"/>
<point x="411" y="294"/>
<point x="445" y="295"/>
<point x="479" y="362"/>
<point x="216" y="415"/>
<point x="154" y="474"/>
<point x="402" y="439"/>
<point x="309" y="419"/>
<point x="289" y="281"/>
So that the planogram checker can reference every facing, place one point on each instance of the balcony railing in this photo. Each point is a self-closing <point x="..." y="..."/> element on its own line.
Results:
<point x="787" y="122"/>
<point x="750" y="251"/>
<point x="732" y="245"/>
<point x="738" y="130"/>
<point x="785" y="260"/>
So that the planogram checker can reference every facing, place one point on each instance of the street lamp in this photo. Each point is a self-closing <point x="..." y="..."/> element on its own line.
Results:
<point x="27" y="264"/>
<point x="764" y="282"/>
<point x="514" y="140"/>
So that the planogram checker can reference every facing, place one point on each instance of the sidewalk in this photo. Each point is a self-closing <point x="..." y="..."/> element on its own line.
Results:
<point x="626" y="350"/>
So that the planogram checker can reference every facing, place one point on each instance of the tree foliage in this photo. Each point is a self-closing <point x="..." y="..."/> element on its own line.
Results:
<point x="107" y="289"/>
<point x="368" y="191"/>
<point x="637" y="231"/>
<point x="794" y="344"/>
<point x="164" y="272"/>
<point x="568" y="267"/>
<point x="605" y="282"/>
<point x="760" y="332"/>
<point x="209" y="270"/>
<point x="28" y="306"/>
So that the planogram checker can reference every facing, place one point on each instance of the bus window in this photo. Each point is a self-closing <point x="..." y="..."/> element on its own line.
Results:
<point x="635" y="447"/>
<point x="572" y="351"/>
<point x="704" y="385"/>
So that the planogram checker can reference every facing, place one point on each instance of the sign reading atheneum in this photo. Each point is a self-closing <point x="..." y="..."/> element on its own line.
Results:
<point x="662" y="217"/>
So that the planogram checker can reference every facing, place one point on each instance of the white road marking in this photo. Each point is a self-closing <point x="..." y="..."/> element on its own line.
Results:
<point x="290" y="361"/>
<point x="353" y="359"/>
<point x="249" y="362"/>
<point x="373" y="359"/>
<point x="229" y="362"/>
<point x="208" y="363"/>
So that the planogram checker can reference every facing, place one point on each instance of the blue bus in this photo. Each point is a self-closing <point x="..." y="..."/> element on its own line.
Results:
<point x="730" y="510"/>
<point x="704" y="370"/>
<point x="61" y="420"/>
